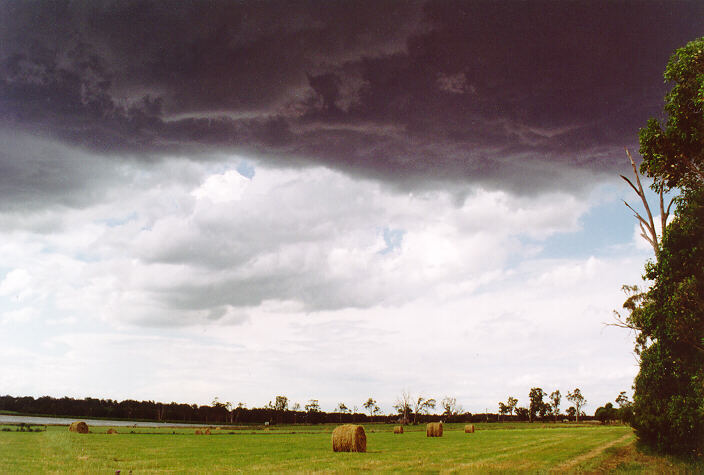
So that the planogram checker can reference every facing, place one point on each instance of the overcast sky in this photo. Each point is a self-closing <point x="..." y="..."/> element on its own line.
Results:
<point x="329" y="200"/>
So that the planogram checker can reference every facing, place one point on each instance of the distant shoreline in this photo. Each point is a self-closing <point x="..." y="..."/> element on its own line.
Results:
<point x="16" y="418"/>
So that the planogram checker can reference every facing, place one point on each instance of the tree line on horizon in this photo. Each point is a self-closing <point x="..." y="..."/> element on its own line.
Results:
<point x="409" y="410"/>
<point x="277" y="411"/>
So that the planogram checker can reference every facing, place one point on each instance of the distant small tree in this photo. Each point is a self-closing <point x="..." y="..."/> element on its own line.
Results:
<point x="422" y="406"/>
<point x="555" y="397"/>
<point x="403" y="405"/>
<point x="503" y="409"/>
<point x="450" y="407"/>
<point x="576" y="398"/>
<point x="230" y="411"/>
<point x="622" y="399"/>
<point x="537" y="406"/>
<point x="313" y="413"/>
<point x="370" y="405"/>
<point x="342" y="409"/>
<point x="511" y="404"/>
<point x="625" y="407"/>
<point x="281" y="403"/>
<point x="241" y="406"/>
<point x="523" y="413"/>
<point x="312" y="406"/>
<point x="220" y="407"/>
<point x="606" y="413"/>
<point x="571" y="412"/>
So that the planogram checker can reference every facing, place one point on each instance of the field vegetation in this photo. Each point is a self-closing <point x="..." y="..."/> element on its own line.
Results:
<point x="505" y="447"/>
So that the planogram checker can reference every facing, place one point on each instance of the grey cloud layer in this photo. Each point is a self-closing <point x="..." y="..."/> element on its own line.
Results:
<point x="525" y="96"/>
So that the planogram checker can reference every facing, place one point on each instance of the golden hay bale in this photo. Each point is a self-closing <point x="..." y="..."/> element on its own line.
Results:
<point x="349" y="438"/>
<point x="79" y="426"/>
<point x="398" y="430"/>
<point x="433" y="429"/>
<point x="469" y="429"/>
<point x="112" y="431"/>
<point x="207" y="431"/>
<point x="198" y="432"/>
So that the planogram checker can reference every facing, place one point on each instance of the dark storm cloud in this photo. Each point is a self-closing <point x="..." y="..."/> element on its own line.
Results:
<point x="36" y="171"/>
<point x="520" y="95"/>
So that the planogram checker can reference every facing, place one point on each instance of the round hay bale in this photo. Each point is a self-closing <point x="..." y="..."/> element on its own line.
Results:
<point x="79" y="427"/>
<point x="112" y="431"/>
<point x="349" y="438"/>
<point x="207" y="431"/>
<point x="398" y="430"/>
<point x="469" y="429"/>
<point x="433" y="429"/>
<point x="198" y="432"/>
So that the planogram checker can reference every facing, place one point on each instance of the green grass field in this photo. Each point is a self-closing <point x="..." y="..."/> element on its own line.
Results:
<point x="492" y="448"/>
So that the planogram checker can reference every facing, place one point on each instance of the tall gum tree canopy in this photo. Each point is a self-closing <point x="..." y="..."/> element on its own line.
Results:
<point x="673" y="153"/>
<point x="669" y="317"/>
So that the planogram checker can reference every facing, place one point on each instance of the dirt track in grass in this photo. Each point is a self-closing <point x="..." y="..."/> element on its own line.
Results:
<point x="591" y="454"/>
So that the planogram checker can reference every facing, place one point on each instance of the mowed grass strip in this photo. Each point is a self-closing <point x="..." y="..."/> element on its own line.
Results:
<point x="626" y="457"/>
<point x="526" y="448"/>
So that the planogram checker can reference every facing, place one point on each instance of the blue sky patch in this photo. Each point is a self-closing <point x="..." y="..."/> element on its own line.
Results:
<point x="393" y="239"/>
<point x="246" y="169"/>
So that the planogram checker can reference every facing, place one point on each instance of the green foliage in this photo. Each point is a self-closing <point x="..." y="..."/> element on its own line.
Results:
<point x="370" y="405"/>
<point x="312" y="406"/>
<point x="511" y="402"/>
<point x="281" y="403"/>
<point x="625" y="408"/>
<point x="668" y="407"/>
<point x="537" y="405"/>
<point x="673" y="152"/>
<point x="669" y="389"/>
<point x="578" y="400"/>
<point x="606" y="413"/>
<point x="555" y="398"/>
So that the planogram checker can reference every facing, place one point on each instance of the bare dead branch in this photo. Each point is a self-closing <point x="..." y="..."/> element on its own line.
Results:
<point x="663" y="214"/>
<point x="647" y="238"/>
<point x="649" y="224"/>
<point x="638" y="216"/>
<point x="630" y="183"/>
<point x="668" y="206"/>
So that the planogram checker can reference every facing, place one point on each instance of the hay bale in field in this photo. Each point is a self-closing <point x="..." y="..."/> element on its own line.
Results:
<point x="112" y="431"/>
<point x="398" y="430"/>
<point x="349" y="438"/>
<point x="469" y="429"/>
<point x="207" y="431"/>
<point x="79" y="427"/>
<point x="433" y="429"/>
<point x="198" y="432"/>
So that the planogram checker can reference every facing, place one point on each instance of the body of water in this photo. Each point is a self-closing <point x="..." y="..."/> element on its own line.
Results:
<point x="41" y="421"/>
